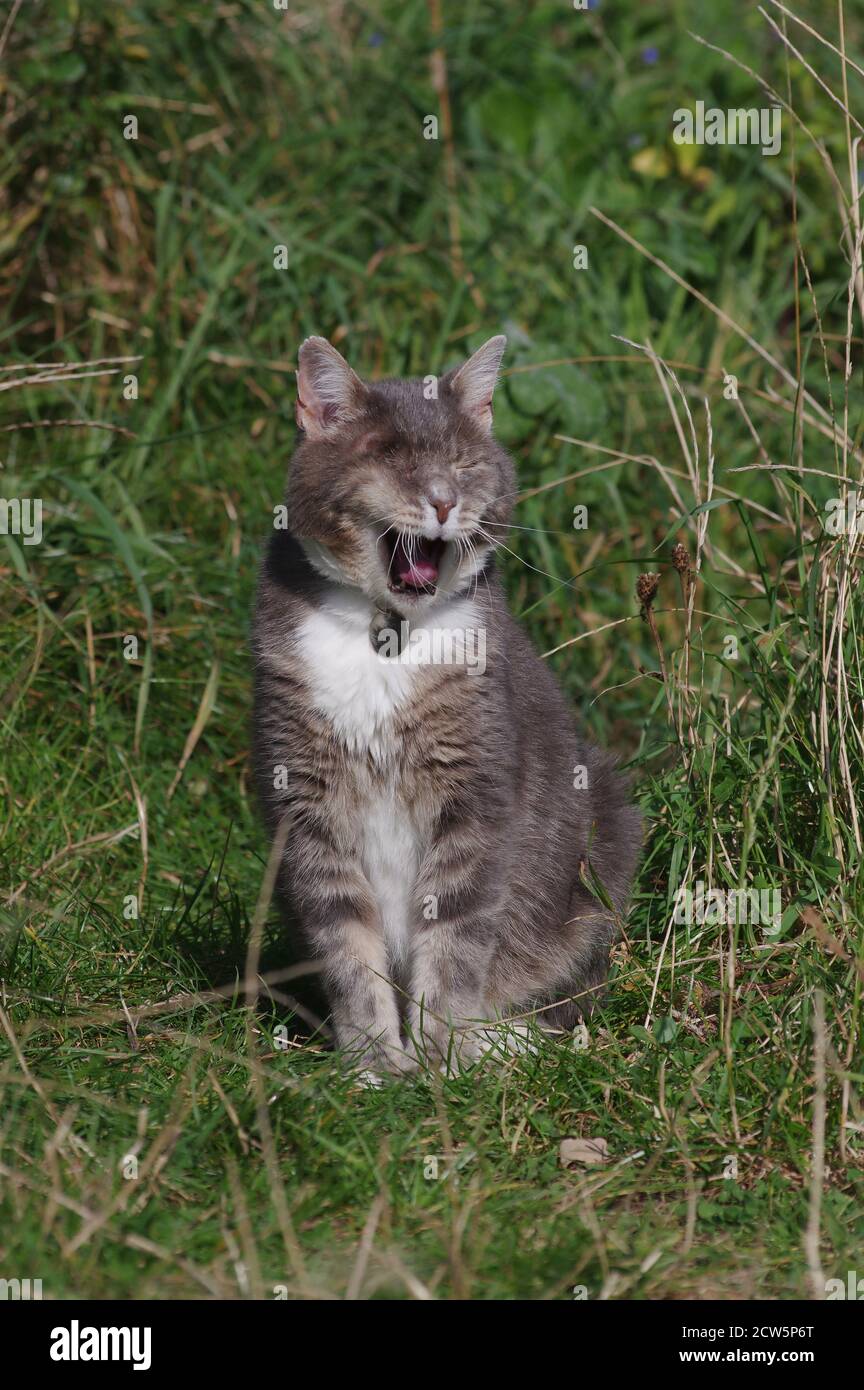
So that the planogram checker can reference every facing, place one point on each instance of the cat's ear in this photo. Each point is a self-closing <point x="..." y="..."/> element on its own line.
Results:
<point x="329" y="392"/>
<point x="474" y="382"/>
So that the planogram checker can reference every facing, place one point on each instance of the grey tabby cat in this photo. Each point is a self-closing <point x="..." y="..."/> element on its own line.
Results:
<point x="445" y="816"/>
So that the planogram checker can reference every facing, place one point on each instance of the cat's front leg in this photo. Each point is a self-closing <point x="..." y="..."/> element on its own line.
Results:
<point x="453" y="946"/>
<point x="342" y="923"/>
<point x="364" y="1013"/>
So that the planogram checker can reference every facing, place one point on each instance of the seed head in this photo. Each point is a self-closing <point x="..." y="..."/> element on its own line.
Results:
<point x="680" y="558"/>
<point x="646" y="589"/>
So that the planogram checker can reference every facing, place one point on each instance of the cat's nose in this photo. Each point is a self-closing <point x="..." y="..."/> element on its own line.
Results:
<point x="443" y="506"/>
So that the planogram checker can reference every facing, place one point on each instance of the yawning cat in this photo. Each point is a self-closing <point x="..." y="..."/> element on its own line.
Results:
<point x="447" y="826"/>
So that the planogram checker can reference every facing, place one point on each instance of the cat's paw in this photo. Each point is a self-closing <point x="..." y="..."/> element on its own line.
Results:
<point x="379" y="1064"/>
<point x="507" y="1040"/>
<point x="449" y="1051"/>
<point x="491" y="1041"/>
<point x="369" y="1080"/>
<point x="401" y="1063"/>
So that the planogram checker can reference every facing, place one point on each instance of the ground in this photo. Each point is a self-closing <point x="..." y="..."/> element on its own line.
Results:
<point x="191" y="194"/>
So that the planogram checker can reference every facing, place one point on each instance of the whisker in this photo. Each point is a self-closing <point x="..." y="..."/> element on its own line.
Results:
<point x="466" y="546"/>
<point x="499" y="545"/>
<point x="480" y="571"/>
<point x="541" y="530"/>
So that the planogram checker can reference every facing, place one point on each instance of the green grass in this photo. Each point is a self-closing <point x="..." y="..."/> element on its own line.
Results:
<point x="128" y="894"/>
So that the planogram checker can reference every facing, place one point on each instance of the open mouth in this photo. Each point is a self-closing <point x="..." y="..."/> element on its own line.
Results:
<point x="413" y="563"/>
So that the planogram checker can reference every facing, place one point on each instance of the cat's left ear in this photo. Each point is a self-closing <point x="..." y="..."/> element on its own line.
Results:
<point x="329" y="392"/>
<point x="474" y="382"/>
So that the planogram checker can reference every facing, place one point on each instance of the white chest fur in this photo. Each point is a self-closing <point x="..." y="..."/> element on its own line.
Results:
<point x="360" y="691"/>
<point x="357" y="688"/>
<point x="390" y="854"/>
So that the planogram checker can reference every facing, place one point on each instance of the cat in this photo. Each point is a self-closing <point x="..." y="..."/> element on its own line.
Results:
<point x="451" y="839"/>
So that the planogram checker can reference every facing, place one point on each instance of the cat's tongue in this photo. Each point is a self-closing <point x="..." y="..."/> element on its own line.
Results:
<point x="417" y="565"/>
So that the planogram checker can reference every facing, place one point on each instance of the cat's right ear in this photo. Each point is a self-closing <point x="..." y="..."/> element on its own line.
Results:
<point x="474" y="382"/>
<point x="329" y="392"/>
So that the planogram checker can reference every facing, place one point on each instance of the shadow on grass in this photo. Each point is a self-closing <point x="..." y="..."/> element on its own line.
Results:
<point x="213" y="932"/>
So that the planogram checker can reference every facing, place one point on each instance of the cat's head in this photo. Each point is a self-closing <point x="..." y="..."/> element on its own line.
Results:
<point x="397" y="487"/>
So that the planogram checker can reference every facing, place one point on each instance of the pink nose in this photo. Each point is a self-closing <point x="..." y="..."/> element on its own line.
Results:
<point x="442" y="509"/>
